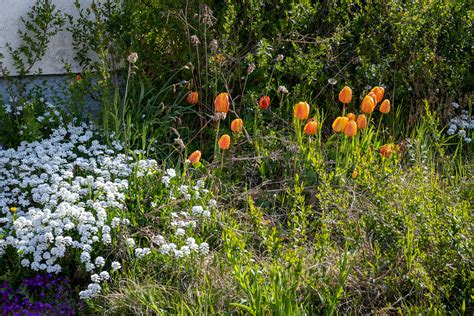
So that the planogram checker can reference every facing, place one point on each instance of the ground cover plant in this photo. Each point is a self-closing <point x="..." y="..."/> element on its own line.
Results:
<point x="309" y="160"/>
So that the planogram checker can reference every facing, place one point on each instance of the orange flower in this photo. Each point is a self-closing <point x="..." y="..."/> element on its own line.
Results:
<point x="350" y="129"/>
<point x="351" y="116"/>
<point x="301" y="111"/>
<point x="345" y="96"/>
<point x="355" y="174"/>
<point x="361" y="121"/>
<point x="224" y="142"/>
<point x="311" y="128"/>
<point x="339" y="124"/>
<point x="368" y="104"/>
<point x="193" y="97"/>
<point x="195" y="157"/>
<point x="373" y="96"/>
<point x="78" y="77"/>
<point x="236" y="125"/>
<point x="221" y="103"/>
<point x="385" y="106"/>
<point x="264" y="102"/>
<point x="379" y="92"/>
<point x="387" y="150"/>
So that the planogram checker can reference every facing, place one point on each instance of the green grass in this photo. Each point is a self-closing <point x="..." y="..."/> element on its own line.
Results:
<point x="297" y="234"/>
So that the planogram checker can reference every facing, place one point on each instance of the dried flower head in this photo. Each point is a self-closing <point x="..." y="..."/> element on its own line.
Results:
<point x="180" y="143"/>
<point x="214" y="45"/>
<point x="207" y="16"/>
<point x="251" y="68"/>
<point x="132" y="58"/>
<point x="195" y="40"/>
<point x="282" y="89"/>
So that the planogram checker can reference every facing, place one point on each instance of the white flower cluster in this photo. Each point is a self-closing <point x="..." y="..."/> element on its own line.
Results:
<point x="462" y="125"/>
<point x="54" y="199"/>
<point x="49" y="112"/>
<point x="196" y="208"/>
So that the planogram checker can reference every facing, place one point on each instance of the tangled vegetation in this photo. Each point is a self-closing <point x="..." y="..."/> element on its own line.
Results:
<point x="244" y="157"/>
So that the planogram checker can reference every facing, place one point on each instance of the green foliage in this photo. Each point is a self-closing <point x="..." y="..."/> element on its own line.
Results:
<point x="19" y="117"/>
<point x="320" y="224"/>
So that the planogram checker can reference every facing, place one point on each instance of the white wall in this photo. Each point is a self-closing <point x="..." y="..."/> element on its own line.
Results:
<point x="59" y="49"/>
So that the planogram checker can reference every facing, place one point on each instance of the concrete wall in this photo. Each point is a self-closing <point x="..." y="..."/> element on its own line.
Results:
<point x="59" y="49"/>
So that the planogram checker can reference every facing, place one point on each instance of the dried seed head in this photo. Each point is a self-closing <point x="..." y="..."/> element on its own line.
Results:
<point x="282" y="89"/>
<point x="214" y="45"/>
<point x="132" y="58"/>
<point x="207" y="16"/>
<point x="180" y="143"/>
<point x="251" y="68"/>
<point x="195" y="40"/>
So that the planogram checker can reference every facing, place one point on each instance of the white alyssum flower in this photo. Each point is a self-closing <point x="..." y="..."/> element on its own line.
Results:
<point x="463" y="124"/>
<point x="99" y="262"/>
<point x="180" y="232"/>
<point x="104" y="276"/>
<point x="142" y="252"/>
<point x="130" y="242"/>
<point x="51" y="183"/>
<point x="116" y="266"/>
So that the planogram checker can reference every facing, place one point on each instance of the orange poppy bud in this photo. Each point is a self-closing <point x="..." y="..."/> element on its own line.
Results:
<point x="379" y="92"/>
<point x="221" y="103"/>
<point x="193" y="97"/>
<point x="78" y="77"/>
<point x="301" y="111"/>
<point x="368" y="104"/>
<point x="195" y="157"/>
<point x="351" y="116"/>
<point x="387" y="150"/>
<point x="361" y="121"/>
<point x="351" y="129"/>
<point x="385" y="106"/>
<point x="224" y="142"/>
<point x="264" y="102"/>
<point x="311" y="128"/>
<point x="354" y="174"/>
<point x="339" y="124"/>
<point x="345" y="96"/>
<point x="236" y="125"/>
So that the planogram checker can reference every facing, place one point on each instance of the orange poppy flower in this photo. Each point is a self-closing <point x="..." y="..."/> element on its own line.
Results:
<point x="351" y="116"/>
<point x="236" y="125"/>
<point x="385" y="106"/>
<point x="350" y="129"/>
<point x="339" y="124"/>
<point x="379" y="92"/>
<point x="195" y="157"/>
<point x="264" y="102"/>
<point x="361" y="121"/>
<point x="193" y="97"/>
<point x="224" y="142"/>
<point x="301" y="111"/>
<point x="221" y="103"/>
<point x="311" y="128"/>
<point x="368" y="104"/>
<point x="345" y="95"/>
